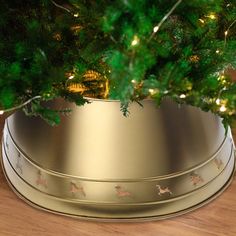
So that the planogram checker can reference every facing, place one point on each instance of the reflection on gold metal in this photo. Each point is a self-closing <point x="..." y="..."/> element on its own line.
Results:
<point x="98" y="164"/>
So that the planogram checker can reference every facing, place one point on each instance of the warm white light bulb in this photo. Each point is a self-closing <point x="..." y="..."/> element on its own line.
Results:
<point x="223" y="108"/>
<point x="155" y="29"/>
<point x="218" y="101"/>
<point x="153" y="91"/>
<point x="182" y="96"/>
<point x="202" y="21"/>
<point x="212" y="16"/>
<point x="1" y="112"/>
<point x="135" y="41"/>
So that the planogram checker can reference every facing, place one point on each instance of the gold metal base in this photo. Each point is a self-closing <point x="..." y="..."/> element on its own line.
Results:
<point x="174" y="175"/>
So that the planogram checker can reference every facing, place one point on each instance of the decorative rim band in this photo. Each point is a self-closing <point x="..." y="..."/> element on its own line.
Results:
<point x="115" y="191"/>
<point x="231" y="159"/>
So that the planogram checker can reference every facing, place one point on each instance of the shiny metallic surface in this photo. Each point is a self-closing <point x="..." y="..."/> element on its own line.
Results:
<point x="98" y="164"/>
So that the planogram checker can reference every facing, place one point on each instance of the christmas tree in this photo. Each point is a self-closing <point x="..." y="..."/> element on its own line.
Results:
<point x="122" y="49"/>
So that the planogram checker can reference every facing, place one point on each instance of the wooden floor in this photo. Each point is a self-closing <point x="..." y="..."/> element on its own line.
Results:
<point x="19" y="219"/>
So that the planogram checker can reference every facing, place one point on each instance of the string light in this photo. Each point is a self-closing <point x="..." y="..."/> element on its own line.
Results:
<point x="21" y="105"/>
<point x="217" y="51"/>
<point x="227" y="31"/>
<point x="157" y="27"/>
<point x="182" y="96"/>
<point x="60" y="6"/>
<point x="64" y="8"/>
<point x="135" y="41"/>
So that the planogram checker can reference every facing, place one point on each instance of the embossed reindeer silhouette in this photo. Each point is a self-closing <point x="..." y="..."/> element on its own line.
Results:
<point x="196" y="179"/>
<point x="74" y="188"/>
<point x="18" y="164"/>
<point x="41" y="181"/>
<point x="162" y="191"/>
<point x="219" y="163"/>
<point x="122" y="193"/>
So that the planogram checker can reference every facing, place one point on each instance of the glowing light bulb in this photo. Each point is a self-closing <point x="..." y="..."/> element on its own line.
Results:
<point x="217" y="51"/>
<point x="1" y="112"/>
<point x="218" y="101"/>
<point x="156" y="28"/>
<point x="202" y="21"/>
<point x="212" y="16"/>
<point x="153" y="91"/>
<point x="76" y="15"/>
<point x="135" y="41"/>
<point x="182" y="96"/>
<point x="71" y="77"/>
<point x="223" y="108"/>
<point x="226" y="32"/>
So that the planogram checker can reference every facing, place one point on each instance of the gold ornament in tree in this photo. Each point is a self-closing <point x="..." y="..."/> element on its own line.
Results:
<point x="194" y="58"/>
<point x="93" y="85"/>
<point x="76" y="29"/>
<point x="57" y="36"/>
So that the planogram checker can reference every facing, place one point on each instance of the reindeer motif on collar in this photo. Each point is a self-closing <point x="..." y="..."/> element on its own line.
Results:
<point x="162" y="191"/>
<point x="74" y="188"/>
<point x="196" y="179"/>
<point x="120" y="192"/>
<point x="219" y="163"/>
<point x="41" y="181"/>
